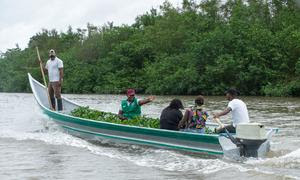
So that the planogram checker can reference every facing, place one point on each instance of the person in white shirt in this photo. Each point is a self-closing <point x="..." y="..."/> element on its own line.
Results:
<point x="54" y="66"/>
<point x="238" y="110"/>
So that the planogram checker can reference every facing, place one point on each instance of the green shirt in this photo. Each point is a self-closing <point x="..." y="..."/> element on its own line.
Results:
<point x="131" y="109"/>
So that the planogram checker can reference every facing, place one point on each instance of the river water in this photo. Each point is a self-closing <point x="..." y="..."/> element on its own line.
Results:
<point x="33" y="147"/>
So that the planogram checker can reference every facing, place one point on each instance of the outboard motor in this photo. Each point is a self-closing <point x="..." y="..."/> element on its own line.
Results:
<point x="249" y="137"/>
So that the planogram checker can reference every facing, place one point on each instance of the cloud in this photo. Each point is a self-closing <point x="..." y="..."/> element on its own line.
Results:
<point x="20" y="20"/>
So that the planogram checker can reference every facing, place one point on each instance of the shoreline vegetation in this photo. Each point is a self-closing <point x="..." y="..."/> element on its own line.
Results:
<point x="200" y="47"/>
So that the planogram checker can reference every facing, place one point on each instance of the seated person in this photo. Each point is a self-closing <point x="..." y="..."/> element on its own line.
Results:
<point x="238" y="110"/>
<point x="194" y="119"/>
<point x="131" y="107"/>
<point x="171" y="115"/>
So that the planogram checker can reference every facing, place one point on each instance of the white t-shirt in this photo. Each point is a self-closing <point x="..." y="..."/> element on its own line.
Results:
<point x="239" y="112"/>
<point x="53" y="69"/>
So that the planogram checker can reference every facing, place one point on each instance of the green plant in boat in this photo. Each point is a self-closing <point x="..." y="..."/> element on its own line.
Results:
<point x="141" y="121"/>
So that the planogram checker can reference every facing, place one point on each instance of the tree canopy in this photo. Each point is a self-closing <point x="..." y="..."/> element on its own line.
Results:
<point x="198" y="48"/>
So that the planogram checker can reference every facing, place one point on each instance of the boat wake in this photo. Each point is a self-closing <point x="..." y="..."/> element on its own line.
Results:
<point x="168" y="160"/>
<point x="288" y="164"/>
<point x="163" y="159"/>
<point x="27" y="124"/>
<point x="38" y="127"/>
<point x="290" y="160"/>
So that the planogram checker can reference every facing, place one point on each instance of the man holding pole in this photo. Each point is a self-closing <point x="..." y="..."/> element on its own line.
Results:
<point x="54" y="66"/>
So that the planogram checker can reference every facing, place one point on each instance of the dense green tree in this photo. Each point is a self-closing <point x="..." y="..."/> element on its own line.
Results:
<point x="200" y="47"/>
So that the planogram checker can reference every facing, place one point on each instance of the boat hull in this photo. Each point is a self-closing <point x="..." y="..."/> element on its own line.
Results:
<point x="96" y="130"/>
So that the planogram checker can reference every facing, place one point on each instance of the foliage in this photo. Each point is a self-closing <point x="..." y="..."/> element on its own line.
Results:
<point x="142" y="121"/>
<point x="200" y="47"/>
<point x="85" y="112"/>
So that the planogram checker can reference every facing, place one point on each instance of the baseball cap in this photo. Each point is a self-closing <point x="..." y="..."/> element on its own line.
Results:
<point x="130" y="92"/>
<point x="52" y="52"/>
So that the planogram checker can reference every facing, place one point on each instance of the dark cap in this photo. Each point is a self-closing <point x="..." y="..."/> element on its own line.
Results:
<point x="130" y="92"/>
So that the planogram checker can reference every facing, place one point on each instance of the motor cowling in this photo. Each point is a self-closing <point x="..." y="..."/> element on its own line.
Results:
<point x="250" y="136"/>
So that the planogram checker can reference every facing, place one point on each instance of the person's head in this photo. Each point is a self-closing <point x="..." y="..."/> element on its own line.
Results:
<point x="130" y="94"/>
<point x="231" y="94"/>
<point x="199" y="101"/>
<point x="176" y="104"/>
<point x="52" y="54"/>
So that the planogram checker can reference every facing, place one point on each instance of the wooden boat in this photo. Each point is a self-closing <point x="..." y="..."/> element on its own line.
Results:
<point x="98" y="130"/>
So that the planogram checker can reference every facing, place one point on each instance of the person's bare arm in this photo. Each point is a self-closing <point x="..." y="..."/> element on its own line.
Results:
<point x="147" y="100"/>
<point x="44" y="67"/>
<point x="183" y="122"/>
<point x="61" y="75"/>
<point x="226" y="111"/>
<point x="120" y="114"/>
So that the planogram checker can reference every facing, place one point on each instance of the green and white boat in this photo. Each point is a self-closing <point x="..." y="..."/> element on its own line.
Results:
<point x="95" y="130"/>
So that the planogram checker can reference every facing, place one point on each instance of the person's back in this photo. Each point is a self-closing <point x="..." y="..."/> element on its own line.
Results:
<point x="171" y="115"/>
<point x="170" y="118"/>
<point x="197" y="118"/>
<point x="194" y="119"/>
<point x="239" y="111"/>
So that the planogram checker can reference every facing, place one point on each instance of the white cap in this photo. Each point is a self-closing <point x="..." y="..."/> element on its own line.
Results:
<point x="52" y="52"/>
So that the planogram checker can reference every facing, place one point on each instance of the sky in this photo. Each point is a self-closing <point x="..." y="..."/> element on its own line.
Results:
<point x="20" y="20"/>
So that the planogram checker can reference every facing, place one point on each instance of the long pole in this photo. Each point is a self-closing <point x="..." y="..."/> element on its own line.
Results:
<point x="233" y="140"/>
<point x="219" y="122"/>
<point x="43" y="74"/>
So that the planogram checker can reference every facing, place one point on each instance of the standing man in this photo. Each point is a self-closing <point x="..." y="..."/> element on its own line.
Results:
<point x="238" y="110"/>
<point x="131" y="107"/>
<point x="54" y="66"/>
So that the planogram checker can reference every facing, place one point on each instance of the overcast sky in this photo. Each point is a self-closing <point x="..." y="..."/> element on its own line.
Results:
<point x="21" y="19"/>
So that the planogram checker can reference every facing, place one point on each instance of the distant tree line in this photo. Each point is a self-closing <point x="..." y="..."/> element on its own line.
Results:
<point x="200" y="47"/>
